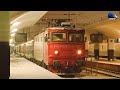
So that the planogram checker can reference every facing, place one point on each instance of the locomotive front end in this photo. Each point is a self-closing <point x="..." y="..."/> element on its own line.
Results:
<point x="66" y="52"/>
<point x="66" y="58"/>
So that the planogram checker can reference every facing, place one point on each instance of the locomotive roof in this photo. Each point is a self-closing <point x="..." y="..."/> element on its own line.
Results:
<point x="60" y="28"/>
<point x="63" y="28"/>
<point x="56" y="28"/>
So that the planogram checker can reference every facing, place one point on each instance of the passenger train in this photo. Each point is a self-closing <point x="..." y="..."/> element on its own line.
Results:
<point x="103" y="50"/>
<point x="60" y="50"/>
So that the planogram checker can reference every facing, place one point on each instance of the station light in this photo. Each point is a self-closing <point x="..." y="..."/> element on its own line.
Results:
<point x="12" y="45"/>
<point x="13" y="34"/>
<point x="14" y="30"/>
<point x="11" y="40"/>
<point x="22" y="44"/>
<point x="16" y="24"/>
<point x="27" y="44"/>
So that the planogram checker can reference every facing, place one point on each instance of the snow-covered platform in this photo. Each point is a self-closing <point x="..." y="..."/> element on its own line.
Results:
<point x="21" y="68"/>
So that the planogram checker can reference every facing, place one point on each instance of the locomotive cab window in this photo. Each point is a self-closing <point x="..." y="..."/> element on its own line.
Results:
<point x="58" y="37"/>
<point x="76" y="37"/>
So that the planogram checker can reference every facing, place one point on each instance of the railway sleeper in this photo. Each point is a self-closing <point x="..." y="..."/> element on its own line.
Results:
<point x="104" y="71"/>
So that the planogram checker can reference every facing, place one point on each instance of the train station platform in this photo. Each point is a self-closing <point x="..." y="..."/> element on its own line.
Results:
<point x="104" y="60"/>
<point x="104" y="63"/>
<point x="21" y="68"/>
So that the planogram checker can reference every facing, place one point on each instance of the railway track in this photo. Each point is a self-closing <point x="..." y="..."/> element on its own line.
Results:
<point x="104" y="71"/>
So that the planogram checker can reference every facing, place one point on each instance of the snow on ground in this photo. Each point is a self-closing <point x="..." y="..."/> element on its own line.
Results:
<point x="21" y="68"/>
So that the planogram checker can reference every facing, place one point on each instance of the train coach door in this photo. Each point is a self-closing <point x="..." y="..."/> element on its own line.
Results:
<point x="45" y="48"/>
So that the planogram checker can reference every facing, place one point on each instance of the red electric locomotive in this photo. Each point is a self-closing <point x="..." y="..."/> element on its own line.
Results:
<point x="60" y="50"/>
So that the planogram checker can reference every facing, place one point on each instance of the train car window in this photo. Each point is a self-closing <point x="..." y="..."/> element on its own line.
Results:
<point x="75" y="37"/>
<point x="58" y="37"/>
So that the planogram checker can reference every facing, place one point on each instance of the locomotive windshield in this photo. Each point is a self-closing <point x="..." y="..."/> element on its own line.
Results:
<point x="59" y="37"/>
<point x="76" y="37"/>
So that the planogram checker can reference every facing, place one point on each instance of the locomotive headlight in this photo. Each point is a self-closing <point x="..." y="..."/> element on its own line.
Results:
<point x="56" y="52"/>
<point x="79" y="51"/>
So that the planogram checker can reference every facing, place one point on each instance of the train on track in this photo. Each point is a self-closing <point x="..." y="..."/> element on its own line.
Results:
<point x="103" y="50"/>
<point x="61" y="50"/>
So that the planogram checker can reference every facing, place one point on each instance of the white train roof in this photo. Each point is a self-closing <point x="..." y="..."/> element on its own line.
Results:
<point x="56" y="28"/>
